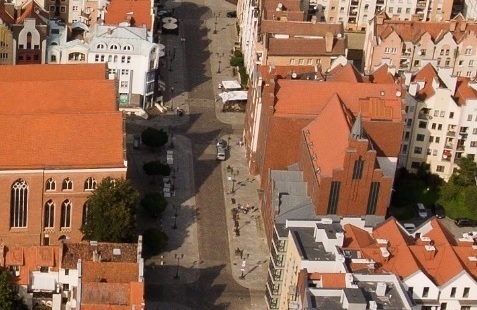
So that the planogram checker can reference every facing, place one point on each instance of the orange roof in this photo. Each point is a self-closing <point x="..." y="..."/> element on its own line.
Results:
<point x="356" y="238"/>
<point x="304" y="47"/>
<point x="332" y="118"/>
<point x="330" y="280"/>
<point x="346" y="73"/>
<point x="300" y="28"/>
<point x="52" y="73"/>
<point x="137" y="13"/>
<point x="65" y="122"/>
<point x="426" y="74"/>
<point x="32" y="9"/>
<point x="413" y="30"/>
<point x="111" y="272"/>
<point x="382" y="76"/>
<point x="464" y="91"/>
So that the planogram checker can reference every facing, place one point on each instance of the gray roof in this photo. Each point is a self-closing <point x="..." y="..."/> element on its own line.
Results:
<point x="137" y="37"/>
<point x="310" y="249"/>
<point x="354" y="296"/>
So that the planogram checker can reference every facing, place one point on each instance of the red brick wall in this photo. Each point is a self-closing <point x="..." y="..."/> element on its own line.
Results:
<point x="37" y="197"/>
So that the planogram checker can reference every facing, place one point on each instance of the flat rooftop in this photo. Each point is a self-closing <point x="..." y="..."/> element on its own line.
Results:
<point x="309" y="248"/>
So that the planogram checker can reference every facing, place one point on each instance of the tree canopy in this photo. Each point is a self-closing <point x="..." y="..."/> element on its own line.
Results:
<point x="154" y="203"/>
<point x="111" y="212"/>
<point x="155" y="240"/>
<point x="153" y="137"/>
<point x="465" y="175"/>
<point x="156" y="167"/>
<point x="9" y="300"/>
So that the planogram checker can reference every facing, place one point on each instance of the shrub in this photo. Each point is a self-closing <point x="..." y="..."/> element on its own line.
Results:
<point x="155" y="240"/>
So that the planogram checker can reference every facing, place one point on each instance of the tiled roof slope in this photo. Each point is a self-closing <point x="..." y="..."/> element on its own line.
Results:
<point x="62" y="122"/>
<point x="84" y="251"/>
<point x="412" y="31"/>
<point x="119" y="10"/>
<point x="30" y="9"/>
<point x="109" y="272"/>
<point x="37" y="73"/>
<point x="333" y="118"/>
<point x="426" y="74"/>
<point x="300" y="28"/>
<point x="382" y="76"/>
<point x="303" y="46"/>
<point x="464" y="91"/>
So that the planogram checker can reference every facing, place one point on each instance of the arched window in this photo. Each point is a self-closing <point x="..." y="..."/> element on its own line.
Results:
<point x="50" y="185"/>
<point x="366" y="7"/>
<point x="113" y="47"/>
<point x="65" y="221"/>
<point x="49" y="214"/>
<point x="19" y="204"/>
<point x="127" y="48"/>
<point x="100" y="46"/>
<point x="89" y="184"/>
<point x="84" y="220"/>
<point x="67" y="185"/>
<point x="115" y="58"/>
<point x="29" y="40"/>
<point x="110" y="58"/>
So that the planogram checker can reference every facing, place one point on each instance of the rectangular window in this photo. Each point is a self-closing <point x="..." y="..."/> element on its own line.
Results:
<point x="399" y="10"/>
<point x="453" y="291"/>
<point x="466" y="292"/>
<point x="358" y="169"/>
<point x="420" y="137"/>
<point x="334" y="197"/>
<point x="425" y="292"/>
<point x="417" y="150"/>
<point x="444" y="306"/>
<point x="431" y="139"/>
<point x="408" y="11"/>
<point x="410" y="290"/>
<point x="468" y="74"/>
<point x="451" y="114"/>
<point x="439" y="127"/>
<point x="124" y="83"/>
<point x="440" y="168"/>
<point x="471" y="63"/>
<point x="438" y="139"/>
<point x="373" y="198"/>
<point x="75" y="8"/>
<point x="436" y="113"/>
<point x="434" y="152"/>
<point x="474" y="131"/>
<point x="468" y="51"/>
<point x="300" y="61"/>
<point x="309" y="62"/>
<point x="461" y="63"/>
<point x="443" y="113"/>
<point x="124" y="72"/>
<point x="390" y="10"/>
<point x="428" y="151"/>
<point x="469" y="117"/>
<point x="422" y="124"/>
<point x="62" y="9"/>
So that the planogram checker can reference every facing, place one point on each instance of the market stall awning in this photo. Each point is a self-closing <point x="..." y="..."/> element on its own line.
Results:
<point x="238" y="95"/>
<point x="231" y="85"/>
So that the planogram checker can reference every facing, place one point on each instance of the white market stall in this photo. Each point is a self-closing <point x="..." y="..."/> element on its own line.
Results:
<point x="234" y="101"/>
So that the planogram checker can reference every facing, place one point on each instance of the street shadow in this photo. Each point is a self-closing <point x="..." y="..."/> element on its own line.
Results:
<point x="204" y="293"/>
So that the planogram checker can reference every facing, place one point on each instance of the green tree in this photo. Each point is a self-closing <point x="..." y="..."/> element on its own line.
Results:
<point x="154" y="138"/>
<point x="9" y="300"/>
<point x="111" y="215"/>
<point x="470" y="197"/>
<point x="465" y="175"/>
<point x="155" y="240"/>
<point x="156" y="167"/>
<point x="449" y="191"/>
<point x="154" y="203"/>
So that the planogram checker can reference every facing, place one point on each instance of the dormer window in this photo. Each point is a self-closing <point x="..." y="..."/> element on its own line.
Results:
<point x="113" y="47"/>
<point x="100" y="46"/>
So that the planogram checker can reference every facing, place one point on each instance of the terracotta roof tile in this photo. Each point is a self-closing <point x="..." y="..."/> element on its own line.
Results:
<point x="329" y="280"/>
<point x="98" y="293"/>
<point x="426" y="74"/>
<point x="382" y="76"/>
<point x="356" y="238"/>
<point x="37" y="73"/>
<point x="300" y="28"/>
<point x="109" y="272"/>
<point x="303" y="46"/>
<point x="346" y="73"/>
<point x="32" y="9"/>
<point x="464" y="91"/>
<point x="385" y="136"/>
<point x="119" y="10"/>
<point x="329" y="150"/>
<point x="84" y="251"/>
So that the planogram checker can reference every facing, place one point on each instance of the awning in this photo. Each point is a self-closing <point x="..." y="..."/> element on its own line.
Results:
<point x="231" y="85"/>
<point x="239" y="95"/>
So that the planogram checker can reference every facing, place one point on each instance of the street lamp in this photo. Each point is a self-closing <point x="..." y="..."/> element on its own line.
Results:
<point x="172" y="97"/>
<point x="176" y="210"/>
<point x="215" y="26"/>
<point x="178" y="260"/>
<point x="220" y="55"/>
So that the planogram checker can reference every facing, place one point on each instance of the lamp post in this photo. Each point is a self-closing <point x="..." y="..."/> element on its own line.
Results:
<point x="176" y="210"/>
<point x="178" y="260"/>
<point x="219" y="55"/>
<point x="215" y="25"/>
<point x="172" y="97"/>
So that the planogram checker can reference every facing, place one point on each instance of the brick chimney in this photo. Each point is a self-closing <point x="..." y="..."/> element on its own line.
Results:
<point x="429" y="251"/>
<point x="329" y="42"/>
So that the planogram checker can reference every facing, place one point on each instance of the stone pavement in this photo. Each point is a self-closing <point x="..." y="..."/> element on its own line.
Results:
<point x="247" y="249"/>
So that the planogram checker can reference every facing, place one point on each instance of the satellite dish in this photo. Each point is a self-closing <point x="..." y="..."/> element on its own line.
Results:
<point x="294" y="75"/>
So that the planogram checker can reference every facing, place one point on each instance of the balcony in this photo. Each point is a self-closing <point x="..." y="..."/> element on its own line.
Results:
<point x="273" y="288"/>
<point x="271" y="301"/>
<point x="451" y="133"/>
<point x="446" y="156"/>
<point x="353" y="13"/>
<point x="380" y="2"/>
<point x="421" y="5"/>
<point x="354" y="2"/>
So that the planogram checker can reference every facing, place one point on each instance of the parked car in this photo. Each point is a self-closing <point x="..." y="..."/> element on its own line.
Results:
<point x="221" y="155"/>
<point x="421" y="210"/>
<point x="465" y="222"/>
<point x="410" y="227"/>
<point x="438" y="211"/>
<point x="232" y="14"/>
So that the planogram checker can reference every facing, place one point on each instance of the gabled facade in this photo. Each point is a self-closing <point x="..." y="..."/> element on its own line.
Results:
<point x="440" y="121"/>
<point x="408" y="46"/>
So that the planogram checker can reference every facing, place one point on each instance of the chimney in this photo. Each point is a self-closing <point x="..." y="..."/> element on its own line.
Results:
<point x="429" y="251"/>
<point x="380" y="19"/>
<point x="381" y="289"/>
<point x="328" y="42"/>
<point x="462" y="25"/>
<point x="110" y="31"/>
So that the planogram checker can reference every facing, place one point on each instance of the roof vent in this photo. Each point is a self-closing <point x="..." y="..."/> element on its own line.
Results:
<point x="294" y="75"/>
<point x="398" y="94"/>
<point x="116" y="251"/>
<point x="382" y="93"/>
<point x="317" y="170"/>
<point x="280" y="6"/>
<point x="93" y="243"/>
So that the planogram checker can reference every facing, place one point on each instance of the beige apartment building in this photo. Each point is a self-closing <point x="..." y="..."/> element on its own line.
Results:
<point x="408" y="46"/>
<point x="355" y="14"/>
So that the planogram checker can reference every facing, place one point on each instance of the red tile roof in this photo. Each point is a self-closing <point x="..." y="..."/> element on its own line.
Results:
<point x="72" y="252"/>
<point x="300" y="28"/>
<point x="382" y="76"/>
<point x="110" y="272"/>
<point x="118" y="11"/>
<point x="464" y="91"/>
<point x="332" y="118"/>
<point x="65" y="123"/>
<point x="35" y="73"/>
<point x="304" y="47"/>
<point x="346" y="73"/>
<point x="330" y="280"/>
<point x="427" y="74"/>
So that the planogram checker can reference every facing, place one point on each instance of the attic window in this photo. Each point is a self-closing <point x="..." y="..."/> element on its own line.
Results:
<point x="44" y="269"/>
